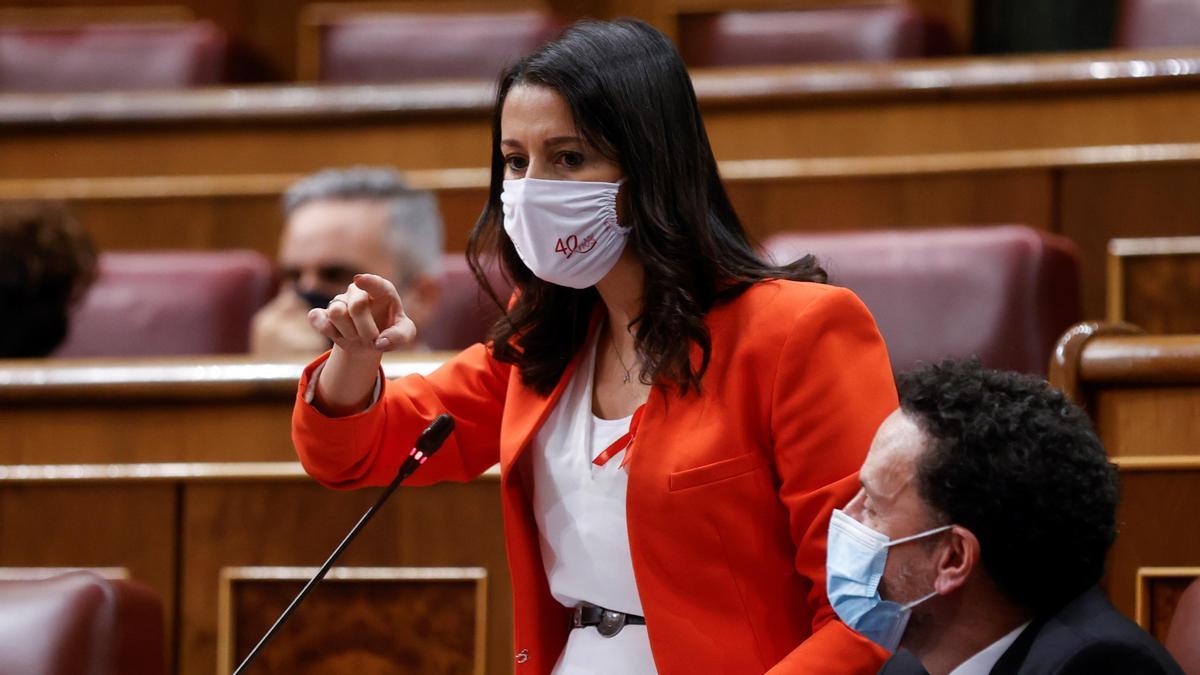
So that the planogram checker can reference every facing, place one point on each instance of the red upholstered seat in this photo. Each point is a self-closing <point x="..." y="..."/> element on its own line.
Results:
<point x="111" y="56"/>
<point x="399" y="47"/>
<point x="80" y="623"/>
<point x="1183" y="636"/>
<point x="854" y="33"/>
<point x="171" y="303"/>
<point x="465" y="313"/>
<point x="1144" y="24"/>
<point x="1001" y="293"/>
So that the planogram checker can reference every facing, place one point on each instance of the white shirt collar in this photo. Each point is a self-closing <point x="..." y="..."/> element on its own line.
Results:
<point x="983" y="660"/>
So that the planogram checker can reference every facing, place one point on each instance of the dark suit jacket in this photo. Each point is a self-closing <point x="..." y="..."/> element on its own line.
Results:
<point x="1087" y="637"/>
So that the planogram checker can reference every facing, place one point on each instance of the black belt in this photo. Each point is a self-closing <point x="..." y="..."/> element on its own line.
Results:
<point x="608" y="622"/>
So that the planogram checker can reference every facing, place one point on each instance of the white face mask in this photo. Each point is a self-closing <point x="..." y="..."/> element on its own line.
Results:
<point x="854" y="562"/>
<point x="566" y="232"/>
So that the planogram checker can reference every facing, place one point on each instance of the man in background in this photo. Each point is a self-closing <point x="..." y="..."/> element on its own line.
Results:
<point x="987" y="508"/>
<point x="342" y="222"/>
<point x="47" y="263"/>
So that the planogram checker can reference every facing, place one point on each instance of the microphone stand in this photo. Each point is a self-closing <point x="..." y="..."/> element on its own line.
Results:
<point x="428" y="443"/>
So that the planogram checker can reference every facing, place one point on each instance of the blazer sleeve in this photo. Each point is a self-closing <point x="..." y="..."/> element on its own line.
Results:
<point x="367" y="448"/>
<point x="833" y="388"/>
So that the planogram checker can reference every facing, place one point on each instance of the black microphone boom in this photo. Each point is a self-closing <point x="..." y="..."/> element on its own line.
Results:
<point x="427" y="443"/>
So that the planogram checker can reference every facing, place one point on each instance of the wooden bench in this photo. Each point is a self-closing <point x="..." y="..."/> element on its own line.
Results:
<point x="1088" y="194"/>
<point x="182" y="472"/>
<point x="906" y="108"/>
<point x="1143" y="394"/>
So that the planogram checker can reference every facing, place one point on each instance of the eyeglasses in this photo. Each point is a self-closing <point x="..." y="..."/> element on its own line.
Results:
<point x="332" y="275"/>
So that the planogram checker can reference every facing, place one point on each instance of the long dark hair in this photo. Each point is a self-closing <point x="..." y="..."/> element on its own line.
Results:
<point x="632" y="99"/>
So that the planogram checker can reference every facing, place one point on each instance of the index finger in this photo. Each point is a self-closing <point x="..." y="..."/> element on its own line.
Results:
<point x="377" y="287"/>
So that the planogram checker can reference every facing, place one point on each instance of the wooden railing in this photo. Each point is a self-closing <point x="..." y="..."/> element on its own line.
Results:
<point x="908" y="108"/>
<point x="1143" y="394"/>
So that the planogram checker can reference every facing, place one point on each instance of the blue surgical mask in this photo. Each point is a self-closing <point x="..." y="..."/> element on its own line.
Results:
<point x="854" y="565"/>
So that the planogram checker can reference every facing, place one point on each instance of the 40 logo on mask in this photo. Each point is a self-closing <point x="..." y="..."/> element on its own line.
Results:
<point x="572" y="245"/>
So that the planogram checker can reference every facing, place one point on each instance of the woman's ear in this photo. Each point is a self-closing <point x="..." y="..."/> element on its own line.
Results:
<point x="956" y="560"/>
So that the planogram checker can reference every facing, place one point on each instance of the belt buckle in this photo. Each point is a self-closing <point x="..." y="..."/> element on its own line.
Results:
<point x="611" y="623"/>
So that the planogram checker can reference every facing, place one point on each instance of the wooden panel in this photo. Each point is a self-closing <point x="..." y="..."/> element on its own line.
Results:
<point x="1101" y="203"/>
<point x="288" y="524"/>
<point x="1158" y="592"/>
<point x="127" y="526"/>
<point x="223" y="148"/>
<point x="150" y="432"/>
<point x="1149" y="421"/>
<point x="935" y="199"/>
<point x="1156" y="528"/>
<point x="1155" y="283"/>
<point x="233" y="409"/>
<point x="1163" y="293"/>
<point x="780" y="112"/>
<point x="364" y="620"/>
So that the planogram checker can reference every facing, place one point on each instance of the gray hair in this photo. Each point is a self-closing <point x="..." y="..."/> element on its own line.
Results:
<point x="415" y="234"/>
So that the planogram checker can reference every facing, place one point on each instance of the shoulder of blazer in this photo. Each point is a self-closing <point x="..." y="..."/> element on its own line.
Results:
<point x="773" y="307"/>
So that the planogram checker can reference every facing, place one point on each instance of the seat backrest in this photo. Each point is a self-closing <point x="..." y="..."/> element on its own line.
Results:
<point x="400" y="47"/>
<point x="853" y="33"/>
<point x="1145" y="24"/>
<point x="1183" y="637"/>
<point x="112" y="56"/>
<point x="1003" y="293"/>
<point x="170" y="303"/>
<point x="464" y="313"/>
<point x="80" y="624"/>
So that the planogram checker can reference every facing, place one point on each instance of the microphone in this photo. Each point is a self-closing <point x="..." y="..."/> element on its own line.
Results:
<point x="427" y="443"/>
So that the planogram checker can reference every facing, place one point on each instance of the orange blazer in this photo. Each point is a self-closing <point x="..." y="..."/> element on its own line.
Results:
<point x="730" y="491"/>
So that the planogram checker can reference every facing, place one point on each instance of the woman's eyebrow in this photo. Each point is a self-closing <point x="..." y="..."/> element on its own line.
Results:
<point x="559" y="140"/>
<point x="511" y="142"/>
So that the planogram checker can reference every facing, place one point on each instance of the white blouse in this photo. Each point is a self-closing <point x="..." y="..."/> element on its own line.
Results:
<point x="580" y="512"/>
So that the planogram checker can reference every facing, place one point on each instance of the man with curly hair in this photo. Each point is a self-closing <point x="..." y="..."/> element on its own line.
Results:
<point x="976" y="542"/>
<point x="47" y="263"/>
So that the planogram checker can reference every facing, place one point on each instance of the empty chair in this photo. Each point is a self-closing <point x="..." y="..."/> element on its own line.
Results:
<point x="1183" y="636"/>
<point x="170" y="303"/>
<point x="80" y="624"/>
<point x="464" y="313"/>
<point x="853" y="33"/>
<point x="1144" y="24"/>
<point x="1001" y="293"/>
<point x="399" y="47"/>
<point x="111" y="56"/>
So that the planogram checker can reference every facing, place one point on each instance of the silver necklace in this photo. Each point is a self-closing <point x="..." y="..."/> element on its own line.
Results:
<point x="628" y="371"/>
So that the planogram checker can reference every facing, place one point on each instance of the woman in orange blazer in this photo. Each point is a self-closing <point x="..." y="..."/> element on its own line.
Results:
<point x="752" y="392"/>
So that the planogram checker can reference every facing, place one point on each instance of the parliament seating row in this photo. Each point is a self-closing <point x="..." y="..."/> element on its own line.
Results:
<point x="187" y="479"/>
<point x="189" y="303"/>
<point x="1017" y="103"/>
<point x="1091" y="195"/>
<point x="122" y="56"/>
<point x="1002" y="293"/>
<point x="361" y="44"/>
<point x="385" y="43"/>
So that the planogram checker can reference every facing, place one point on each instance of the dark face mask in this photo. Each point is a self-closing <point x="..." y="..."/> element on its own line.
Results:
<point x="315" y="299"/>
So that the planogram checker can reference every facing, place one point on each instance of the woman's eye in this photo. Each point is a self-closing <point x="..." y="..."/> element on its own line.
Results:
<point x="572" y="159"/>
<point x="516" y="162"/>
